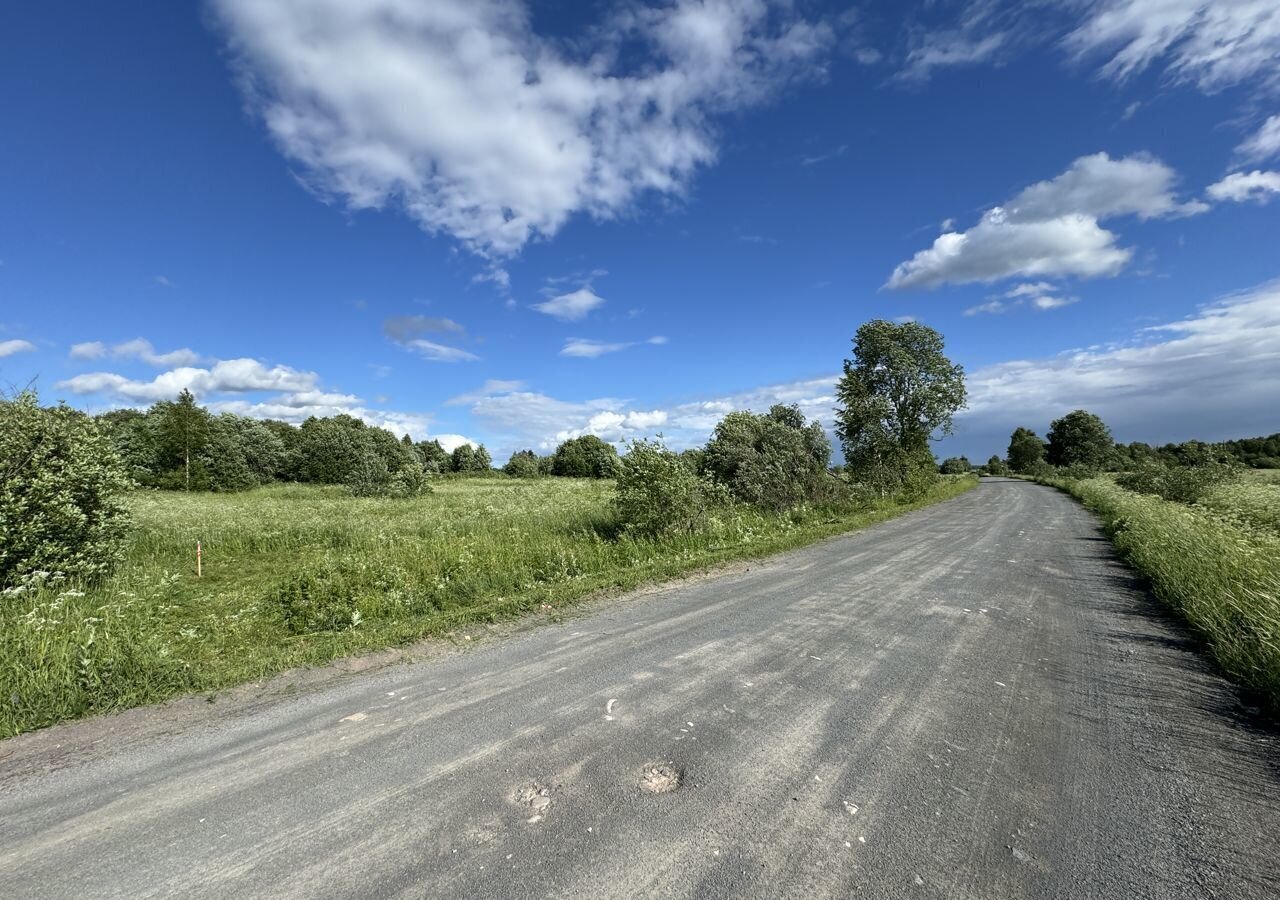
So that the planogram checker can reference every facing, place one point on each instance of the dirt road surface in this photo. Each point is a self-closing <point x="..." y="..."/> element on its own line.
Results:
<point x="976" y="700"/>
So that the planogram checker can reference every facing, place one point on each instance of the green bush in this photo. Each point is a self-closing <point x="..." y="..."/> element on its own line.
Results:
<point x="61" y="494"/>
<point x="955" y="465"/>
<point x="658" y="494"/>
<point x="773" y="461"/>
<point x="1182" y="484"/>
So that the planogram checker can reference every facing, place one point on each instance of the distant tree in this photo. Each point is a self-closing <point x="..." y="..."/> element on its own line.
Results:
<point x="523" y="464"/>
<point x="955" y="465"/>
<point x="772" y="460"/>
<point x="62" y="489"/>
<point x="1025" y="450"/>
<point x="466" y="458"/>
<point x="332" y="450"/>
<point x="897" y="393"/>
<point x="1079" y="439"/>
<point x="434" y="458"/>
<point x="462" y="459"/>
<point x="585" y="457"/>
<point x="997" y="466"/>
<point x="182" y="428"/>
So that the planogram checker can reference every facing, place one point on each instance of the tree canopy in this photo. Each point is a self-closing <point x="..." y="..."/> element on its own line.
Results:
<point x="897" y="393"/>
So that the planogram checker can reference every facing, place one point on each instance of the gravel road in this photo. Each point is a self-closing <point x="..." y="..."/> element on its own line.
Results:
<point x="975" y="700"/>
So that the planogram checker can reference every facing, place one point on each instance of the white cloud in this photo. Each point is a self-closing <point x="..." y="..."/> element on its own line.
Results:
<point x="1051" y="228"/>
<point x="225" y="376"/>
<point x="1209" y="376"/>
<point x="439" y="352"/>
<point x="589" y="349"/>
<point x="1241" y="186"/>
<point x="1034" y="289"/>
<point x="458" y="113"/>
<point x="138" y="348"/>
<point x="8" y="348"/>
<point x="1102" y="187"/>
<point x="163" y="282"/>
<point x="1040" y="295"/>
<point x="571" y="307"/>
<point x="89" y="350"/>
<point x="1263" y="143"/>
<point x="1211" y="43"/>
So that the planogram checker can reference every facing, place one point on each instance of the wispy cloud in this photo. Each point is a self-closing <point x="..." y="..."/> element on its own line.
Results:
<point x="590" y="349"/>
<point x="138" y="348"/>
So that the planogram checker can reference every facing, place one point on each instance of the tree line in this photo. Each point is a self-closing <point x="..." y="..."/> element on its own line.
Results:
<point x="896" y="394"/>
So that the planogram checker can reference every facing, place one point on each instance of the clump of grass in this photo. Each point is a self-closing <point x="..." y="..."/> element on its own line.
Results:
<point x="297" y="575"/>
<point x="1221" y="572"/>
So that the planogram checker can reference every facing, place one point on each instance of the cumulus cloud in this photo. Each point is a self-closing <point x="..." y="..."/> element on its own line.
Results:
<point x="1210" y="376"/>
<point x="571" y="307"/>
<point x="1238" y="187"/>
<point x="8" y="348"/>
<point x="1212" y="44"/>
<point x="1263" y="144"/>
<point x="589" y="349"/>
<point x="225" y="376"/>
<point x="1052" y="228"/>
<point x="457" y="112"/>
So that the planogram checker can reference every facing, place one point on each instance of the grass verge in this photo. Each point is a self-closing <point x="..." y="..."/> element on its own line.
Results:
<point x="300" y="575"/>
<point x="1216" y="563"/>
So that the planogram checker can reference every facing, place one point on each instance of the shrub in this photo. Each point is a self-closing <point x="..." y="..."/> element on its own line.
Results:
<point x="659" y="494"/>
<point x="955" y="465"/>
<point x="997" y="466"/>
<point x="1182" y="484"/>
<point x="772" y="460"/>
<point x="61" y="487"/>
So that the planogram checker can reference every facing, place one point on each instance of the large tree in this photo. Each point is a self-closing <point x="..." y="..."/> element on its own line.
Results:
<point x="1080" y="439"/>
<point x="897" y="393"/>
<point x="1025" y="450"/>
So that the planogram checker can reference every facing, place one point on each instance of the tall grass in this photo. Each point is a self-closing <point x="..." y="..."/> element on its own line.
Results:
<point x="298" y="575"/>
<point x="1217" y="563"/>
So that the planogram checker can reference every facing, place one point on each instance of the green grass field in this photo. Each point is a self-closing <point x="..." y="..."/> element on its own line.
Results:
<point x="298" y="575"/>
<point x="1216" y="562"/>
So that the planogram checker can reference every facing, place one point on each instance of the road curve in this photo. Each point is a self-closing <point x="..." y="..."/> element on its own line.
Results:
<point x="974" y="700"/>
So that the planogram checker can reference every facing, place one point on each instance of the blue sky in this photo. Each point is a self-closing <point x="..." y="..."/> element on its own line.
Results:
<point x="504" y="222"/>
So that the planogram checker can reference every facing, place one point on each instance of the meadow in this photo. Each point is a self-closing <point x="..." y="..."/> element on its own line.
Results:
<point x="298" y="575"/>
<point x="1215" y="562"/>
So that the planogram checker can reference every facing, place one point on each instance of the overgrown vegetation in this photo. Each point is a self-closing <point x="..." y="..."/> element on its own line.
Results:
<point x="1216" y="562"/>
<point x="62" y="516"/>
<point x="300" y="574"/>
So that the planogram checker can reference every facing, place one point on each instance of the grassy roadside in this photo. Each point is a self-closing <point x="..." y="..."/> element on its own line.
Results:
<point x="1216" y="563"/>
<point x="301" y="575"/>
